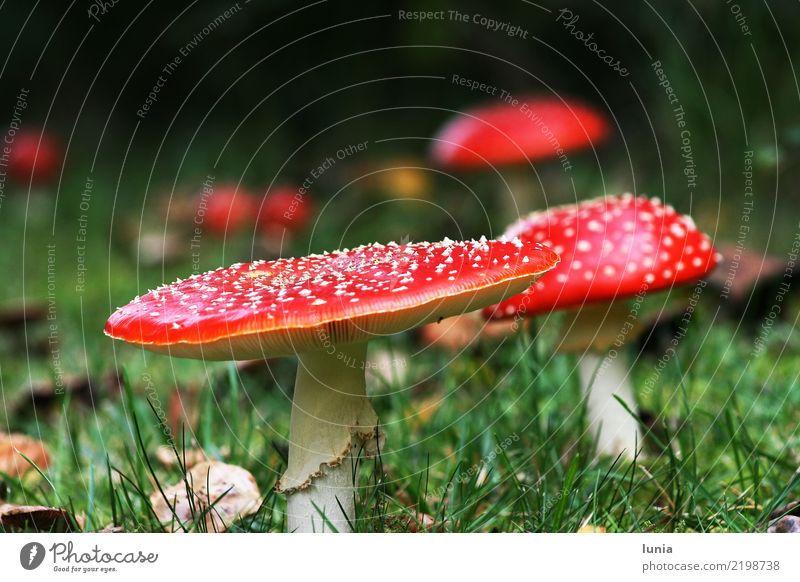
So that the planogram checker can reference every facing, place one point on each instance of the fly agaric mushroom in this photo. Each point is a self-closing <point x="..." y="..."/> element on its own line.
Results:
<point x="285" y="207"/>
<point x="612" y="249"/>
<point x="34" y="156"/>
<point x="325" y="308"/>
<point x="515" y="135"/>
<point x="226" y="211"/>
<point x="285" y="212"/>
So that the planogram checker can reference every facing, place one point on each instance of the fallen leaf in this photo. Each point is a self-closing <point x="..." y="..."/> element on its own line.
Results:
<point x="44" y="394"/>
<point x="38" y="518"/>
<point x="742" y="270"/>
<point x="786" y="524"/>
<point x="13" y="446"/>
<point x="220" y="493"/>
<point x="111" y="528"/>
<point x="420" y="522"/>
<point x="15" y="315"/>
<point x="792" y="508"/>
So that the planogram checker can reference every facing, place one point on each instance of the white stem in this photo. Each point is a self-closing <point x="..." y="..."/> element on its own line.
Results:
<point x="602" y="378"/>
<point x="332" y="421"/>
<point x="331" y="496"/>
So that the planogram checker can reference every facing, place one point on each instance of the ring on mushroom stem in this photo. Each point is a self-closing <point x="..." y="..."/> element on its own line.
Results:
<point x="614" y="251"/>
<point x="514" y="134"/>
<point x="325" y="308"/>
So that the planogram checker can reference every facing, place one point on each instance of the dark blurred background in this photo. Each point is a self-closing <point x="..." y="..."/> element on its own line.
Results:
<point x="267" y="90"/>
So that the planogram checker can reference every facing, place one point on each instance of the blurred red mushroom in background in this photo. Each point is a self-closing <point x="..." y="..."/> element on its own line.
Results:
<point x="285" y="212"/>
<point x="35" y="156"/>
<point x="226" y="210"/>
<point x="518" y="134"/>
<point x="285" y="207"/>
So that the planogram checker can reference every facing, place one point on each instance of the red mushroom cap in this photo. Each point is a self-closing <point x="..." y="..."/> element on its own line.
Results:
<point x="288" y="306"/>
<point x="285" y="207"/>
<point x="34" y="155"/>
<point x="611" y="248"/>
<point x="226" y="210"/>
<point x="538" y="127"/>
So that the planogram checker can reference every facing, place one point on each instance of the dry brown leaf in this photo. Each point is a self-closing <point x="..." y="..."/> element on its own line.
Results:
<point x="35" y="518"/>
<point x="220" y="492"/>
<point x="742" y="269"/>
<point x="46" y="394"/>
<point x="420" y="522"/>
<point x="786" y="524"/>
<point x="13" y="446"/>
<point x="190" y="457"/>
<point x="20" y="312"/>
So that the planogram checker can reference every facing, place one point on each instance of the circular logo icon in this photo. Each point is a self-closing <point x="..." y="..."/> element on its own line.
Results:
<point x="31" y="555"/>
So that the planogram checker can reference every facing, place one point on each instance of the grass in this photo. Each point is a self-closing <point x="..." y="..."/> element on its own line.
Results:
<point x="492" y="439"/>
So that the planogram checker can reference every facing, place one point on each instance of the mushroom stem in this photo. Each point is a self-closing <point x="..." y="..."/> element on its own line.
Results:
<point x="602" y="378"/>
<point x="597" y="333"/>
<point x="332" y="422"/>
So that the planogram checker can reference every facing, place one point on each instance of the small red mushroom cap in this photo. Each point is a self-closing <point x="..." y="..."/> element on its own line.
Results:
<point x="34" y="155"/>
<point x="286" y="306"/>
<point x="226" y="210"/>
<point x="285" y="207"/>
<point x="610" y="248"/>
<point x="502" y="134"/>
